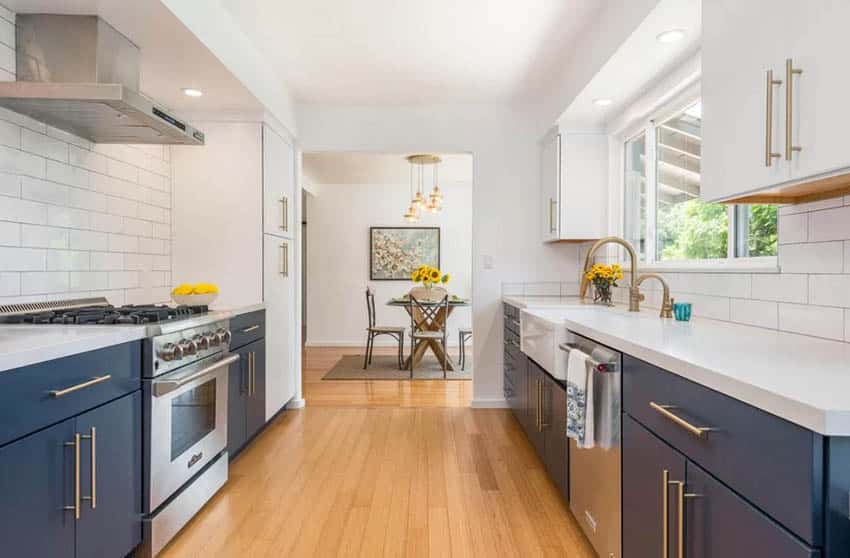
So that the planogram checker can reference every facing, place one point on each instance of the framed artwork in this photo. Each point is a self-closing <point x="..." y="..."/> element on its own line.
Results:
<point x="396" y="252"/>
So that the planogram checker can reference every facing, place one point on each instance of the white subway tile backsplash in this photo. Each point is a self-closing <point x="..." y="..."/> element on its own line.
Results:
<point x="781" y="287"/>
<point x="10" y="184"/>
<point x="120" y="206"/>
<point x="106" y="223"/>
<point x="10" y="234"/>
<point x="811" y="206"/>
<point x="817" y="257"/>
<point x="86" y="159"/>
<point x="138" y="262"/>
<point x="44" y="145"/>
<point x="153" y="246"/>
<point x="124" y="171"/>
<point x="89" y="281"/>
<point x="829" y="290"/>
<point x="151" y="213"/>
<point x="21" y="120"/>
<point x="43" y="191"/>
<point x="161" y="199"/>
<point x="10" y="284"/>
<point x="68" y="137"/>
<point x="66" y="174"/>
<point x="22" y="259"/>
<point x="153" y="180"/>
<point x="755" y="312"/>
<point x="10" y="134"/>
<point x="39" y="236"/>
<point x="539" y="289"/>
<point x="89" y="240"/>
<point x="820" y="321"/>
<point x="830" y="224"/>
<point x="107" y="261"/>
<point x="161" y="230"/>
<point x="44" y="282"/>
<point x="123" y="243"/>
<point x="68" y="260"/>
<point x="137" y="227"/>
<point x="794" y="228"/>
<point x="68" y="217"/>
<point x="123" y="279"/>
<point x="86" y="199"/>
<point x="21" y="162"/>
<point x="161" y="263"/>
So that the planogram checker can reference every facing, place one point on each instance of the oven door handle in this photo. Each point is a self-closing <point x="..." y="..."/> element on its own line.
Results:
<point x="163" y="387"/>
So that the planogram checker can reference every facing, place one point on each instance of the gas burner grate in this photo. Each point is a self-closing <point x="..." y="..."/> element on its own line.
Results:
<point x="105" y="314"/>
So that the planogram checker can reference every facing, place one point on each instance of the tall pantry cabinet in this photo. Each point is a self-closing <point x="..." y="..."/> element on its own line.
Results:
<point x="234" y="224"/>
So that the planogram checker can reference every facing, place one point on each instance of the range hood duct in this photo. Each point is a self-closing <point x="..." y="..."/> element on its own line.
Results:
<point x="78" y="74"/>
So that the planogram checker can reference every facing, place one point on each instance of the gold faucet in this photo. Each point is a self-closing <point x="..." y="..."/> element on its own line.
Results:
<point x="634" y="292"/>
<point x="667" y="303"/>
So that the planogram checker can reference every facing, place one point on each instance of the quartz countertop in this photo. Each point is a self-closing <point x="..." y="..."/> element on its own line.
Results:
<point x="22" y="345"/>
<point x="804" y="380"/>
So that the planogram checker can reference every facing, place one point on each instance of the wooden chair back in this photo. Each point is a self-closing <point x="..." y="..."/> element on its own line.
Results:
<point x="434" y="294"/>
<point x="370" y="306"/>
<point x="425" y="313"/>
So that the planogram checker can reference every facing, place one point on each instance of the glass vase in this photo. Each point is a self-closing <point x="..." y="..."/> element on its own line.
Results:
<point x="603" y="294"/>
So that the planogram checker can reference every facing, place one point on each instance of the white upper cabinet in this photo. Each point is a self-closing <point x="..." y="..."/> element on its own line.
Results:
<point x="749" y="92"/>
<point x="278" y="184"/>
<point x="574" y="185"/>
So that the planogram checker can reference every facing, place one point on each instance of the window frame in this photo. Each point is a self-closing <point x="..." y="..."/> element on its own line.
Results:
<point x="648" y="127"/>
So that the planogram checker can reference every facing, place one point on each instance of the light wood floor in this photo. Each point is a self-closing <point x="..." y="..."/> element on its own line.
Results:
<point x="405" y="469"/>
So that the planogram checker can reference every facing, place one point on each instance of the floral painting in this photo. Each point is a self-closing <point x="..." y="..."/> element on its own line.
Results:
<point x="396" y="252"/>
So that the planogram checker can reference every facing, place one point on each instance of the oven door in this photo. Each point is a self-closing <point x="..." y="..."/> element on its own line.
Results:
<point x="188" y="423"/>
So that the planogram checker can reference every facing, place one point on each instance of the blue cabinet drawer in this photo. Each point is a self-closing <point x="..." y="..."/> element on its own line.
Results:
<point x="247" y="328"/>
<point x="42" y="394"/>
<point x="776" y="465"/>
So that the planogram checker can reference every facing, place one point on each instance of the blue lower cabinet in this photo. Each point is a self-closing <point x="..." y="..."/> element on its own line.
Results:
<point x="720" y="524"/>
<point x="645" y="460"/>
<point x="110" y="522"/>
<point x="246" y="402"/>
<point x="37" y="483"/>
<point x="556" y="453"/>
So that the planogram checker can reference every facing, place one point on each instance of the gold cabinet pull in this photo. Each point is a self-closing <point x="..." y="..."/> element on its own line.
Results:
<point x="284" y="213"/>
<point x="251" y="377"/>
<point x="552" y="205"/>
<point x="76" y="507"/>
<point x="282" y="264"/>
<point x="665" y="513"/>
<point x="698" y="431"/>
<point x="790" y="72"/>
<point x="94" y="381"/>
<point x="254" y="327"/>
<point x="543" y="394"/>
<point x="769" y="154"/>
<point x="92" y="436"/>
<point x="538" y="404"/>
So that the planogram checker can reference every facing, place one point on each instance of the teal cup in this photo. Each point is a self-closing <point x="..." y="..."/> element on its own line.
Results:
<point x="682" y="311"/>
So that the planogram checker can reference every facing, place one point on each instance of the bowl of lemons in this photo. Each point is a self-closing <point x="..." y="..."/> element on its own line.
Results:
<point x="199" y="294"/>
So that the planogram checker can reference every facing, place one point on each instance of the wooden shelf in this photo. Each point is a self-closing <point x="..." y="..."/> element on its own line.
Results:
<point x="827" y="187"/>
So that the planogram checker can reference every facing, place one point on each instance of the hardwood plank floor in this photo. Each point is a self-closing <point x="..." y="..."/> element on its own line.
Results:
<point x="398" y="470"/>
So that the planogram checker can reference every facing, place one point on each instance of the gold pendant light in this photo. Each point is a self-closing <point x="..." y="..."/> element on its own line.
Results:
<point x="434" y="201"/>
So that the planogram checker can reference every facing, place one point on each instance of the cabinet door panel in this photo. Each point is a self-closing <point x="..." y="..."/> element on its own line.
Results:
<point x="112" y="527"/>
<point x="645" y="458"/>
<point x="256" y="402"/>
<point x="556" y="446"/>
<point x="278" y="295"/>
<point x="278" y="184"/>
<point x="237" y="392"/>
<point x="37" y="481"/>
<point x="721" y="524"/>
<point x="550" y="177"/>
<point x="536" y="384"/>
<point x="734" y="92"/>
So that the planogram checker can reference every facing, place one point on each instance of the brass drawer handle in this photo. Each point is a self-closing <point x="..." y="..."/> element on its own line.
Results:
<point x="76" y="507"/>
<point x="284" y="213"/>
<point x="94" y="381"/>
<point x="769" y="154"/>
<point x="93" y="437"/>
<point x="254" y="327"/>
<point x="698" y="431"/>
<point x="790" y="72"/>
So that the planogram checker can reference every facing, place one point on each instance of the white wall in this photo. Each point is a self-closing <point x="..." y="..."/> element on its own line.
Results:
<point x="218" y="212"/>
<point x="79" y="219"/>
<point x="338" y="222"/>
<point x="504" y="147"/>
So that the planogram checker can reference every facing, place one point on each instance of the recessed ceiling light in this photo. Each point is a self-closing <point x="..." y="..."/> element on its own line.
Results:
<point x="603" y="102"/>
<point x="189" y="92"/>
<point x="671" y="36"/>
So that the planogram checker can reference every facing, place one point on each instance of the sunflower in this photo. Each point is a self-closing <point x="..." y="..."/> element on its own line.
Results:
<point x="434" y="274"/>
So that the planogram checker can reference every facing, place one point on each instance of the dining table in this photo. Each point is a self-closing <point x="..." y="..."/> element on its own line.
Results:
<point x="435" y="324"/>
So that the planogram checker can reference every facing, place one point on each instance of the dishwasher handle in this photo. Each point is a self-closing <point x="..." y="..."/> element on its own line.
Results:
<point x="598" y="366"/>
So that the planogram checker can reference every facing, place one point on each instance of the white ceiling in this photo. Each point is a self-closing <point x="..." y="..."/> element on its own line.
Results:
<point x="172" y="57"/>
<point x="379" y="168"/>
<point x="406" y="51"/>
<point x="639" y="62"/>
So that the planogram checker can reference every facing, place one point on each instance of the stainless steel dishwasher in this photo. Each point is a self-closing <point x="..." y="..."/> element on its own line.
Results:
<point x="595" y="491"/>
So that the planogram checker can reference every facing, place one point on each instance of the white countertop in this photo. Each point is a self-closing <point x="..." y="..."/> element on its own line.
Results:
<point x="22" y="345"/>
<point x="802" y="379"/>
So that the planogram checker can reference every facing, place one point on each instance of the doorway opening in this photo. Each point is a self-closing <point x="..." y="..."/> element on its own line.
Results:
<point x="366" y="238"/>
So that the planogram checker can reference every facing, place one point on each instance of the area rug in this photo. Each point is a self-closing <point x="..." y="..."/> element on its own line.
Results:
<point x="385" y="367"/>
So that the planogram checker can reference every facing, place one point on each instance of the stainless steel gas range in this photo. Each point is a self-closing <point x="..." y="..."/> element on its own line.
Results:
<point x="185" y="374"/>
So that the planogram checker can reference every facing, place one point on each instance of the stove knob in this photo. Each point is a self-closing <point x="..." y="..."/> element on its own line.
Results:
<point x="170" y="351"/>
<point x="223" y="336"/>
<point x="201" y="342"/>
<point x="189" y="347"/>
<point x="212" y="339"/>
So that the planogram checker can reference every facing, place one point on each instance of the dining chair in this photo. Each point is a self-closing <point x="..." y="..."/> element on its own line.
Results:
<point x="396" y="332"/>
<point x="428" y="318"/>
<point x="463" y="335"/>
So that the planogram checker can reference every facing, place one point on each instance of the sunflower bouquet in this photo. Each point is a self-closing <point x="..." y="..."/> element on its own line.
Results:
<point x="429" y="276"/>
<point x="604" y="277"/>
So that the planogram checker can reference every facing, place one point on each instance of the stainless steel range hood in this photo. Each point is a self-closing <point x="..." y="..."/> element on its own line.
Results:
<point x="78" y="74"/>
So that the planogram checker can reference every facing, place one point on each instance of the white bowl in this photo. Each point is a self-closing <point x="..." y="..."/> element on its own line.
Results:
<point x="195" y="299"/>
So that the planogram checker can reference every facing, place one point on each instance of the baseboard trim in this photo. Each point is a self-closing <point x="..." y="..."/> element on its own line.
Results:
<point x="296" y="404"/>
<point x="496" y="403"/>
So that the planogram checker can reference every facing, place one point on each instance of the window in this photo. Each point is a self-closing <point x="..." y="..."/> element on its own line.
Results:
<point x="665" y="219"/>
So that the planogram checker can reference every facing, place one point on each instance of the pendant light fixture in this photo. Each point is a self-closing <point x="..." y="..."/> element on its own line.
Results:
<point x="418" y="201"/>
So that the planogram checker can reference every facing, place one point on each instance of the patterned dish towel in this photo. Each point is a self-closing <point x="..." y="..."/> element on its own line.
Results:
<point x="579" y="400"/>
